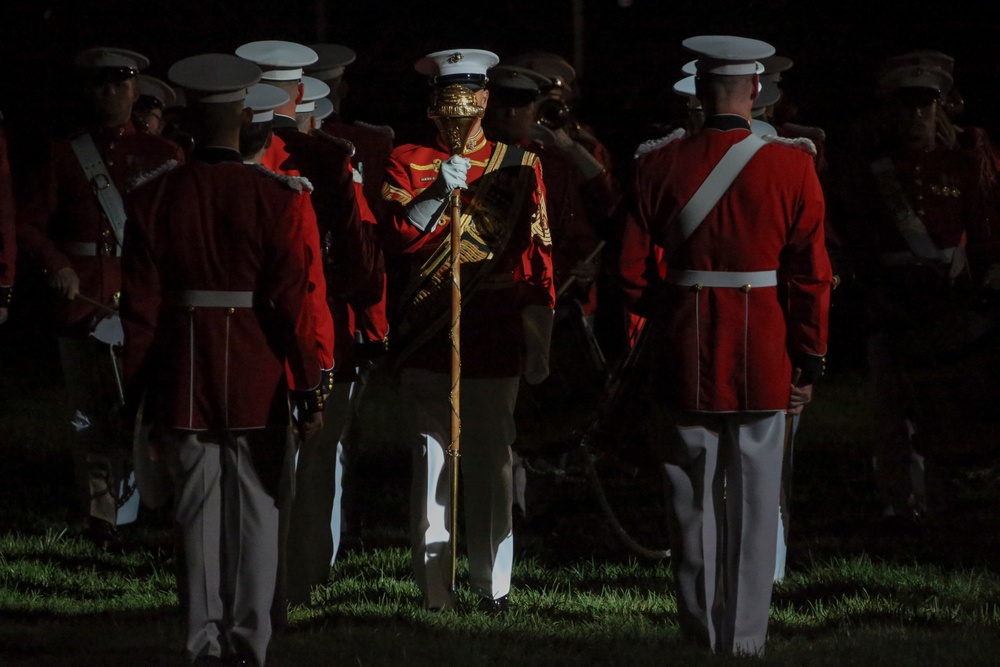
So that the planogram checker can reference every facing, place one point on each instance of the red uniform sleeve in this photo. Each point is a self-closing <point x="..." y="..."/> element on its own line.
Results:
<point x="33" y="219"/>
<point x="286" y="274"/>
<point x="538" y="285"/>
<point x="397" y="193"/>
<point x="315" y="306"/>
<point x="808" y="275"/>
<point x="142" y="294"/>
<point x="639" y="264"/>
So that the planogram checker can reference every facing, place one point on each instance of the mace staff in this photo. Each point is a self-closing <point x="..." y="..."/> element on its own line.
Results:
<point x="457" y="110"/>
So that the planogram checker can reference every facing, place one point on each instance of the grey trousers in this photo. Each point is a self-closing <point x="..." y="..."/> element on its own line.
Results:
<point x="487" y="414"/>
<point x="723" y="478"/>
<point x="315" y="520"/>
<point x="229" y="522"/>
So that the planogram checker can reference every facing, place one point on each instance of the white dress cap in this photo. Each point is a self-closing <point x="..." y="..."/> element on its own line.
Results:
<point x="312" y="90"/>
<point x="457" y="66"/>
<point x="511" y="77"/>
<point x="727" y="55"/>
<point x="214" y="78"/>
<point x="768" y="95"/>
<point x="685" y="86"/>
<point x="550" y="65"/>
<point x="774" y="66"/>
<point x="333" y="58"/>
<point x="280" y="61"/>
<point x="160" y="90"/>
<point x="324" y="108"/>
<point x="919" y="69"/>
<point x="105" y="56"/>
<point x="264" y="98"/>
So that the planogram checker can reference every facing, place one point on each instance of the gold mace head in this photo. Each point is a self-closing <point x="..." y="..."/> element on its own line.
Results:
<point x="456" y="109"/>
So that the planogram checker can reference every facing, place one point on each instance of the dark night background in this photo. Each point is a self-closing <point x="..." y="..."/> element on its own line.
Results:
<point x="631" y="54"/>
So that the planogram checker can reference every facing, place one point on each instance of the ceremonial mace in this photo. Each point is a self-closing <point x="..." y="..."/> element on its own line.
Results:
<point x="456" y="109"/>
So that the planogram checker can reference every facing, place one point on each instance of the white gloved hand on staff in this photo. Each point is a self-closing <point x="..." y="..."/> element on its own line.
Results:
<point x="424" y="212"/>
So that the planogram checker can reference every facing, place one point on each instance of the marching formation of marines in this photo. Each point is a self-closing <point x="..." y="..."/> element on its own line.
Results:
<point x="231" y="261"/>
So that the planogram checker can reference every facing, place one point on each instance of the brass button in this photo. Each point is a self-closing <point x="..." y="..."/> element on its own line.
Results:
<point x="696" y="287"/>
<point x="746" y="288"/>
<point x="230" y="310"/>
<point x="190" y="309"/>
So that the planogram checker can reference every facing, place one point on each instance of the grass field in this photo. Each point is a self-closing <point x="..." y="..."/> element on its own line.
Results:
<point x="856" y="594"/>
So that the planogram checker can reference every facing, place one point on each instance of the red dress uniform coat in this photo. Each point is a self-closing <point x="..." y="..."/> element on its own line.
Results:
<point x="574" y="236"/>
<point x="945" y="190"/>
<point x="354" y="267"/>
<point x="492" y="334"/>
<point x="373" y="145"/>
<point x="8" y="246"/>
<point x="276" y="159"/>
<point x="216" y="225"/>
<point x="723" y="349"/>
<point x="64" y="217"/>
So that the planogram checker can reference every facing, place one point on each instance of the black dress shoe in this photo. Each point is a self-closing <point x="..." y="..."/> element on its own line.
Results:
<point x="494" y="607"/>
<point x="102" y="535"/>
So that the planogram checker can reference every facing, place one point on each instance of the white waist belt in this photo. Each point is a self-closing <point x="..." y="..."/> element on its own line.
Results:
<point x="733" y="279"/>
<point x="81" y="249"/>
<point x="215" y="299"/>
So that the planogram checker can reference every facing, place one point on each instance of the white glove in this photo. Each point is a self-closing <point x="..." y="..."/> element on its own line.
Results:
<point x="537" y="322"/>
<point x="586" y="163"/>
<point x="424" y="211"/>
<point x="453" y="173"/>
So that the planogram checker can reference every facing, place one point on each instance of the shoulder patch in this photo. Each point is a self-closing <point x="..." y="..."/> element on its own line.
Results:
<point x="802" y="143"/>
<point x="807" y="131"/>
<point x="344" y="144"/>
<point x="142" y="179"/>
<point x="653" y="144"/>
<point x="381" y="129"/>
<point x="298" y="183"/>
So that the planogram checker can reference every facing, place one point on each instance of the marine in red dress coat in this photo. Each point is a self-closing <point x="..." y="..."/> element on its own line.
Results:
<point x="64" y="229"/>
<point x="354" y="269"/>
<point x="373" y="146"/>
<point x="725" y="349"/>
<point x="229" y="228"/>
<point x="62" y="225"/>
<point x="493" y="340"/>
<point x="734" y="302"/>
